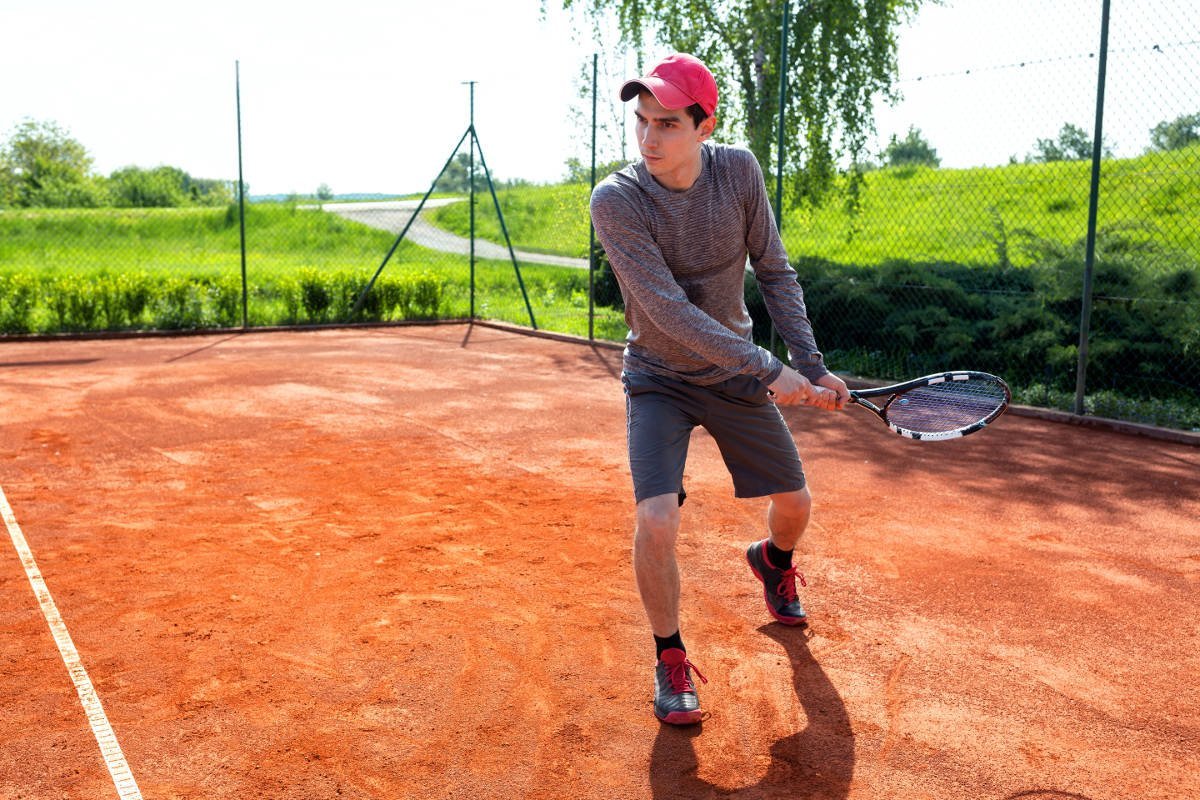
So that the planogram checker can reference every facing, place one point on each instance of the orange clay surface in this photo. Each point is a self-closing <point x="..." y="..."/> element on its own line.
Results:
<point x="395" y="563"/>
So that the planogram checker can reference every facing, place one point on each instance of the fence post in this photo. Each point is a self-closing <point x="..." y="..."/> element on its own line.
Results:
<point x="1089" y="263"/>
<point x="783" y="68"/>
<point x="237" y="80"/>
<point x="471" y="192"/>
<point x="591" y="227"/>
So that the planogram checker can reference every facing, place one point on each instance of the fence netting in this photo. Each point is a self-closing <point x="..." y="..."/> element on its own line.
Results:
<point x="967" y="249"/>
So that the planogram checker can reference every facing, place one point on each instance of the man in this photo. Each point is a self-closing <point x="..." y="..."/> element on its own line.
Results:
<point x="678" y="227"/>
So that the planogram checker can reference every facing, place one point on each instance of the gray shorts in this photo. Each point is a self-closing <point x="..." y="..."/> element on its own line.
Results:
<point x="660" y="414"/>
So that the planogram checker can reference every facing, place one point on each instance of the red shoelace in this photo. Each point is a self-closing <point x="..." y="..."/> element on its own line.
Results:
<point x="678" y="675"/>
<point x="787" y="585"/>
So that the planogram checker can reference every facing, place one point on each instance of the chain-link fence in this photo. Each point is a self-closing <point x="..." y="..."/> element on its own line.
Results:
<point x="971" y="248"/>
<point x="988" y="262"/>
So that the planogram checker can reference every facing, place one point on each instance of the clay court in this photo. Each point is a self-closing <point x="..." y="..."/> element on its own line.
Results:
<point x="394" y="563"/>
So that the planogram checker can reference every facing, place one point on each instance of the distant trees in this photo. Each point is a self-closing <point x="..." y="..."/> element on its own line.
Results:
<point x="43" y="166"/>
<point x="1073" y="144"/>
<point x="1176" y="134"/>
<point x="912" y="150"/>
<point x="164" y="187"/>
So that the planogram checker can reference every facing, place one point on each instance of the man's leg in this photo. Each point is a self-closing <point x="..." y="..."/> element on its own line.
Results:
<point x="657" y="574"/>
<point x="771" y="559"/>
<point x="787" y="517"/>
<point x="654" y="563"/>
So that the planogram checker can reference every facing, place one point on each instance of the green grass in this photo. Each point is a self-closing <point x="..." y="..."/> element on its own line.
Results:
<point x="964" y="216"/>
<point x="202" y="241"/>
<point x="539" y="219"/>
<point x="121" y="269"/>
<point x="981" y="216"/>
<point x="981" y="263"/>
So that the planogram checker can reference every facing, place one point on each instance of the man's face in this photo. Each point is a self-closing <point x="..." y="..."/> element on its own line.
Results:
<point x="670" y="142"/>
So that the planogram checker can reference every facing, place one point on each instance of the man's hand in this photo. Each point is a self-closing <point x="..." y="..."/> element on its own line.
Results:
<point x="836" y="385"/>
<point x="793" y="389"/>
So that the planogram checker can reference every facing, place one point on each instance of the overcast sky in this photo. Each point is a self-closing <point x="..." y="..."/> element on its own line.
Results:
<point x="369" y="96"/>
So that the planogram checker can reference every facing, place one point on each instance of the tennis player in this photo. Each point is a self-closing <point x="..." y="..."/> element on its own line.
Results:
<point x="678" y="226"/>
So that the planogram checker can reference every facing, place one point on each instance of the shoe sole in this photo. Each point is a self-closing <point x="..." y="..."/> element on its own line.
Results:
<point x="680" y="717"/>
<point x="795" y="622"/>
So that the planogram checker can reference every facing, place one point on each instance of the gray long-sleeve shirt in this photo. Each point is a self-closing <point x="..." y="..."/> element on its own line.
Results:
<point x="680" y="257"/>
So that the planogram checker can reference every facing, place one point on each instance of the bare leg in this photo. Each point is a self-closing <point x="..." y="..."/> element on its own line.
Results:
<point x="654" y="563"/>
<point x="787" y="517"/>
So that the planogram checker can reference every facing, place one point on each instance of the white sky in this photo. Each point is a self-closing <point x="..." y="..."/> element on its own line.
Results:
<point x="368" y="96"/>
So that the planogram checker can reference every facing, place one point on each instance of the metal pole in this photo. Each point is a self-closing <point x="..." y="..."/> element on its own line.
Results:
<point x="783" y="68"/>
<point x="1085" y="319"/>
<point x="471" y="191"/>
<point x="507" y="239"/>
<point x="362" y="298"/>
<point x="237" y="79"/>
<point x="591" y="227"/>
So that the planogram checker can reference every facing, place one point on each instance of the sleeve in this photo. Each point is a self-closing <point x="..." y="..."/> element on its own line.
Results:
<point x="776" y="279"/>
<point x="648" y="287"/>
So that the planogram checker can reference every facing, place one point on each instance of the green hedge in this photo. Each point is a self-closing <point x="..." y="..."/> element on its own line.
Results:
<point x="103" y="301"/>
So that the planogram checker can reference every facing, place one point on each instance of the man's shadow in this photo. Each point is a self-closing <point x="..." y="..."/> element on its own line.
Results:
<point x="815" y="762"/>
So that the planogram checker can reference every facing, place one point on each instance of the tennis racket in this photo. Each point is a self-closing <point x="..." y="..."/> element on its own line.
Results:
<point x="942" y="406"/>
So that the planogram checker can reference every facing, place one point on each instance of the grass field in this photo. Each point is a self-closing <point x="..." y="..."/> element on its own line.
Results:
<point x="982" y="265"/>
<point x="118" y="269"/>
<point x="963" y="216"/>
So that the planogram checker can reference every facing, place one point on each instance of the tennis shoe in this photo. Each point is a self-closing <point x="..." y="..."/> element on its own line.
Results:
<point x="675" y="699"/>
<point x="779" y="586"/>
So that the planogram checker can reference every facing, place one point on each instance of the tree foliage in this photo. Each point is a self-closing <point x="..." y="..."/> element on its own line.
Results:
<point x="1073" y="144"/>
<point x="1176" y="134"/>
<point x="164" y="187"/>
<point x="42" y="165"/>
<point x="841" y="56"/>
<point x="912" y="150"/>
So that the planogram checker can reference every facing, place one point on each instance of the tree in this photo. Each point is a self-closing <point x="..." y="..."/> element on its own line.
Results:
<point x="41" y="165"/>
<point x="135" y="187"/>
<point x="324" y="192"/>
<point x="1176" y="134"/>
<point x="841" y="55"/>
<point x="456" y="177"/>
<point x="912" y="150"/>
<point x="1073" y="144"/>
<point x="164" y="187"/>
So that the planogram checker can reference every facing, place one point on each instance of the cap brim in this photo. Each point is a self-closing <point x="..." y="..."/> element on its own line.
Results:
<point x="665" y="93"/>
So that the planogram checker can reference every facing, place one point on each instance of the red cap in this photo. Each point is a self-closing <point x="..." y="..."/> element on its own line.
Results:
<point x="677" y="82"/>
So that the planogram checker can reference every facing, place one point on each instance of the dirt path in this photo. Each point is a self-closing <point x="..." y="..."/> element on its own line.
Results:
<point x="392" y="216"/>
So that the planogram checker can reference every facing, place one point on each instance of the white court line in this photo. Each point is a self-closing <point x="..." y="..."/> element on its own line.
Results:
<point x="118" y="768"/>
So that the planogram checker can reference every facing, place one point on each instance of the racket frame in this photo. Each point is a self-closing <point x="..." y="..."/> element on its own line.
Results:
<point x="895" y="391"/>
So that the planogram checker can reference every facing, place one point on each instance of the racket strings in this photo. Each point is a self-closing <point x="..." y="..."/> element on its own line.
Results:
<point x="948" y="406"/>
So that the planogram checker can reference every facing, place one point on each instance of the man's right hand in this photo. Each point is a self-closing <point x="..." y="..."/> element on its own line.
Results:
<point x="793" y="389"/>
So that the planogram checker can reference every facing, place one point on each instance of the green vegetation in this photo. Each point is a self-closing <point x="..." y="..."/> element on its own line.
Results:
<point x="122" y="269"/>
<point x="539" y="219"/>
<point x="42" y="166"/>
<point x="941" y="269"/>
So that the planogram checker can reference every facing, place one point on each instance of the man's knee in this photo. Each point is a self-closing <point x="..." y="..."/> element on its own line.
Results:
<point x="793" y="504"/>
<point x="658" y="519"/>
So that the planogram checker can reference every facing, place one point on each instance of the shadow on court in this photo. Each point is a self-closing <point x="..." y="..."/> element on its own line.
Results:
<point x="1017" y="459"/>
<point x="817" y="761"/>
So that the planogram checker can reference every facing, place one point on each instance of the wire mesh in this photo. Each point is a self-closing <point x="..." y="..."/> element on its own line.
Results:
<point x="974" y="259"/>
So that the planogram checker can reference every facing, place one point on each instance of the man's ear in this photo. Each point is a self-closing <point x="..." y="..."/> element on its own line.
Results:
<point x="707" y="127"/>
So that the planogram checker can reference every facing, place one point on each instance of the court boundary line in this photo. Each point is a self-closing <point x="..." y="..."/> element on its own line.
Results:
<point x="106" y="738"/>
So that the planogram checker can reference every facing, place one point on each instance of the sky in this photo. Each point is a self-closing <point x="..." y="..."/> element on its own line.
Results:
<point x="370" y="96"/>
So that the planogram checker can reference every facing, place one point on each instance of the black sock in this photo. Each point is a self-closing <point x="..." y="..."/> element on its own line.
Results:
<point x="667" y="642"/>
<point x="779" y="558"/>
